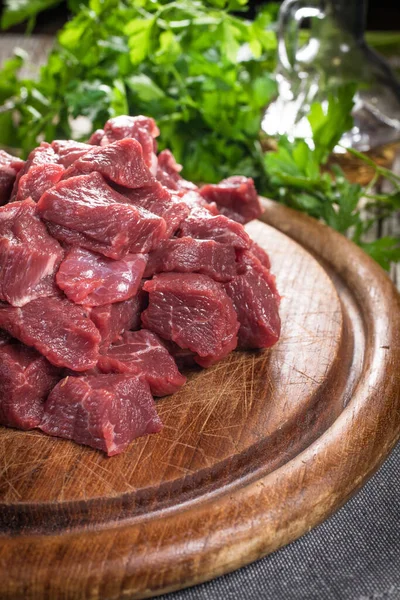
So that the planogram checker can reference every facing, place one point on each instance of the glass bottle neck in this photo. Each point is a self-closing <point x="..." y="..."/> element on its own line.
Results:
<point x="349" y="14"/>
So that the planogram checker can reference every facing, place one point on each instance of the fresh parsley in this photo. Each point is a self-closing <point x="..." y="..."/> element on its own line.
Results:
<point x="298" y="176"/>
<point x="205" y="74"/>
<point x="202" y="72"/>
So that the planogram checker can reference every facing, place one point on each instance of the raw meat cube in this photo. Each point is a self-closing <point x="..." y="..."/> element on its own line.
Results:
<point x="29" y="256"/>
<point x="260" y="253"/>
<point x="142" y="129"/>
<point x="121" y="162"/>
<point x="197" y="204"/>
<point x="158" y="200"/>
<point x="248" y="261"/>
<point x="26" y="378"/>
<point x="142" y="353"/>
<point x="124" y="126"/>
<point x="4" y="338"/>
<point x="183" y="357"/>
<point x="187" y="255"/>
<point x="69" y="151"/>
<point x="7" y="160"/>
<point x="57" y="328"/>
<point x="201" y="224"/>
<point x="40" y="172"/>
<point x="256" y="301"/>
<point x="113" y="319"/>
<point x="43" y="155"/>
<point x="74" y="238"/>
<point x="194" y="312"/>
<point x="125" y="215"/>
<point x="168" y="173"/>
<point x="7" y="178"/>
<point x="89" y="278"/>
<point x="236" y="197"/>
<point x="9" y="167"/>
<point x="96" y="137"/>
<point x="37" y="180"/>
<point x="168" y="170"/>
<point x="99" y="217"/>
<point x="105" y="411"/>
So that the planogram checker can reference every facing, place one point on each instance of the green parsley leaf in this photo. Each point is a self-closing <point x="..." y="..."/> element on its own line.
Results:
<point x="205" y="74"/>
<point x="328" y="126"/>
<point x="384" y="250"/>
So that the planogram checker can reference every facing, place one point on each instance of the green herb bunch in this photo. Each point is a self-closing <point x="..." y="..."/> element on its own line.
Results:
<point x="297" y="177"/>
<point x="205" y="74"/>
<point x="176" y="61"/>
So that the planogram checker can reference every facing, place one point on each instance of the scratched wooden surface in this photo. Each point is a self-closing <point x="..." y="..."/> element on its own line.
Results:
<point x="219" y="414"/>
<point x="255" y="451"/>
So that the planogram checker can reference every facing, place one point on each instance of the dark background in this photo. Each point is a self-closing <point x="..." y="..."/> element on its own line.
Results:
<point x="381" y="15"/>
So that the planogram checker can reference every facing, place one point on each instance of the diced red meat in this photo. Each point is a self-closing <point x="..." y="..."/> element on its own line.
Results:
<point x="187" y="255"/>
<point x="96" y="137"/>
<point x="196" y="203"/>
<point x="123" y="215"/>
<point x="194" y="312"/>
<point x="29" y="256"/>
<point x="57" y="328"/>
<point x="183" y="357"/>
<point x="7" y="160"/>
<point x="256" y="301"/>
<point x="45" y="288"/>
<point x="201" y="224"/>
<point x="113" y="319"/>
<point x="9" y="167"/>
<point x="105" y="411"/>
<point x="141" y="353"/>
<point x="260" y="254"/>
<point x="89" y="278"/>
<point x="142" y="129"/>
<point x="168" y="173"/>
<point x="4" y="337"/>
<point x="69" y="151"/>
<point x="158" y="200"/>
<point x="121" y="162"/>
<point x="74" y="238"/>
<point x="248" y="261"/>
<point x="124" y="126"/>
<point x="26" y="379"/>
<point x="236" y="197"/>
<point x="42" y="155"/>
<point x="7" y="178"/>
<point x="99" y="218"/>
<point x="138" y="304"/>
<point x="38" y="180"/>
<point x="168" y="170"/>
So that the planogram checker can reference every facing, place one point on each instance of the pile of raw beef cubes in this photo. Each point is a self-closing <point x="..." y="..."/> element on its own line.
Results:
<point x="114" y="271"/>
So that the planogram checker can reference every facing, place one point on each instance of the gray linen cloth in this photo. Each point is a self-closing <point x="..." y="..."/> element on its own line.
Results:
<point x="354" y="555"/>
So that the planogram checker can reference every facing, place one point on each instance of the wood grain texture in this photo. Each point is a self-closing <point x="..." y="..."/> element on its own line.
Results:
<point x="255" y="451"/>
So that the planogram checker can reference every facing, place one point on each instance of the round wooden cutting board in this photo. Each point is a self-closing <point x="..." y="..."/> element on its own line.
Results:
<point x="255" y="451"/>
